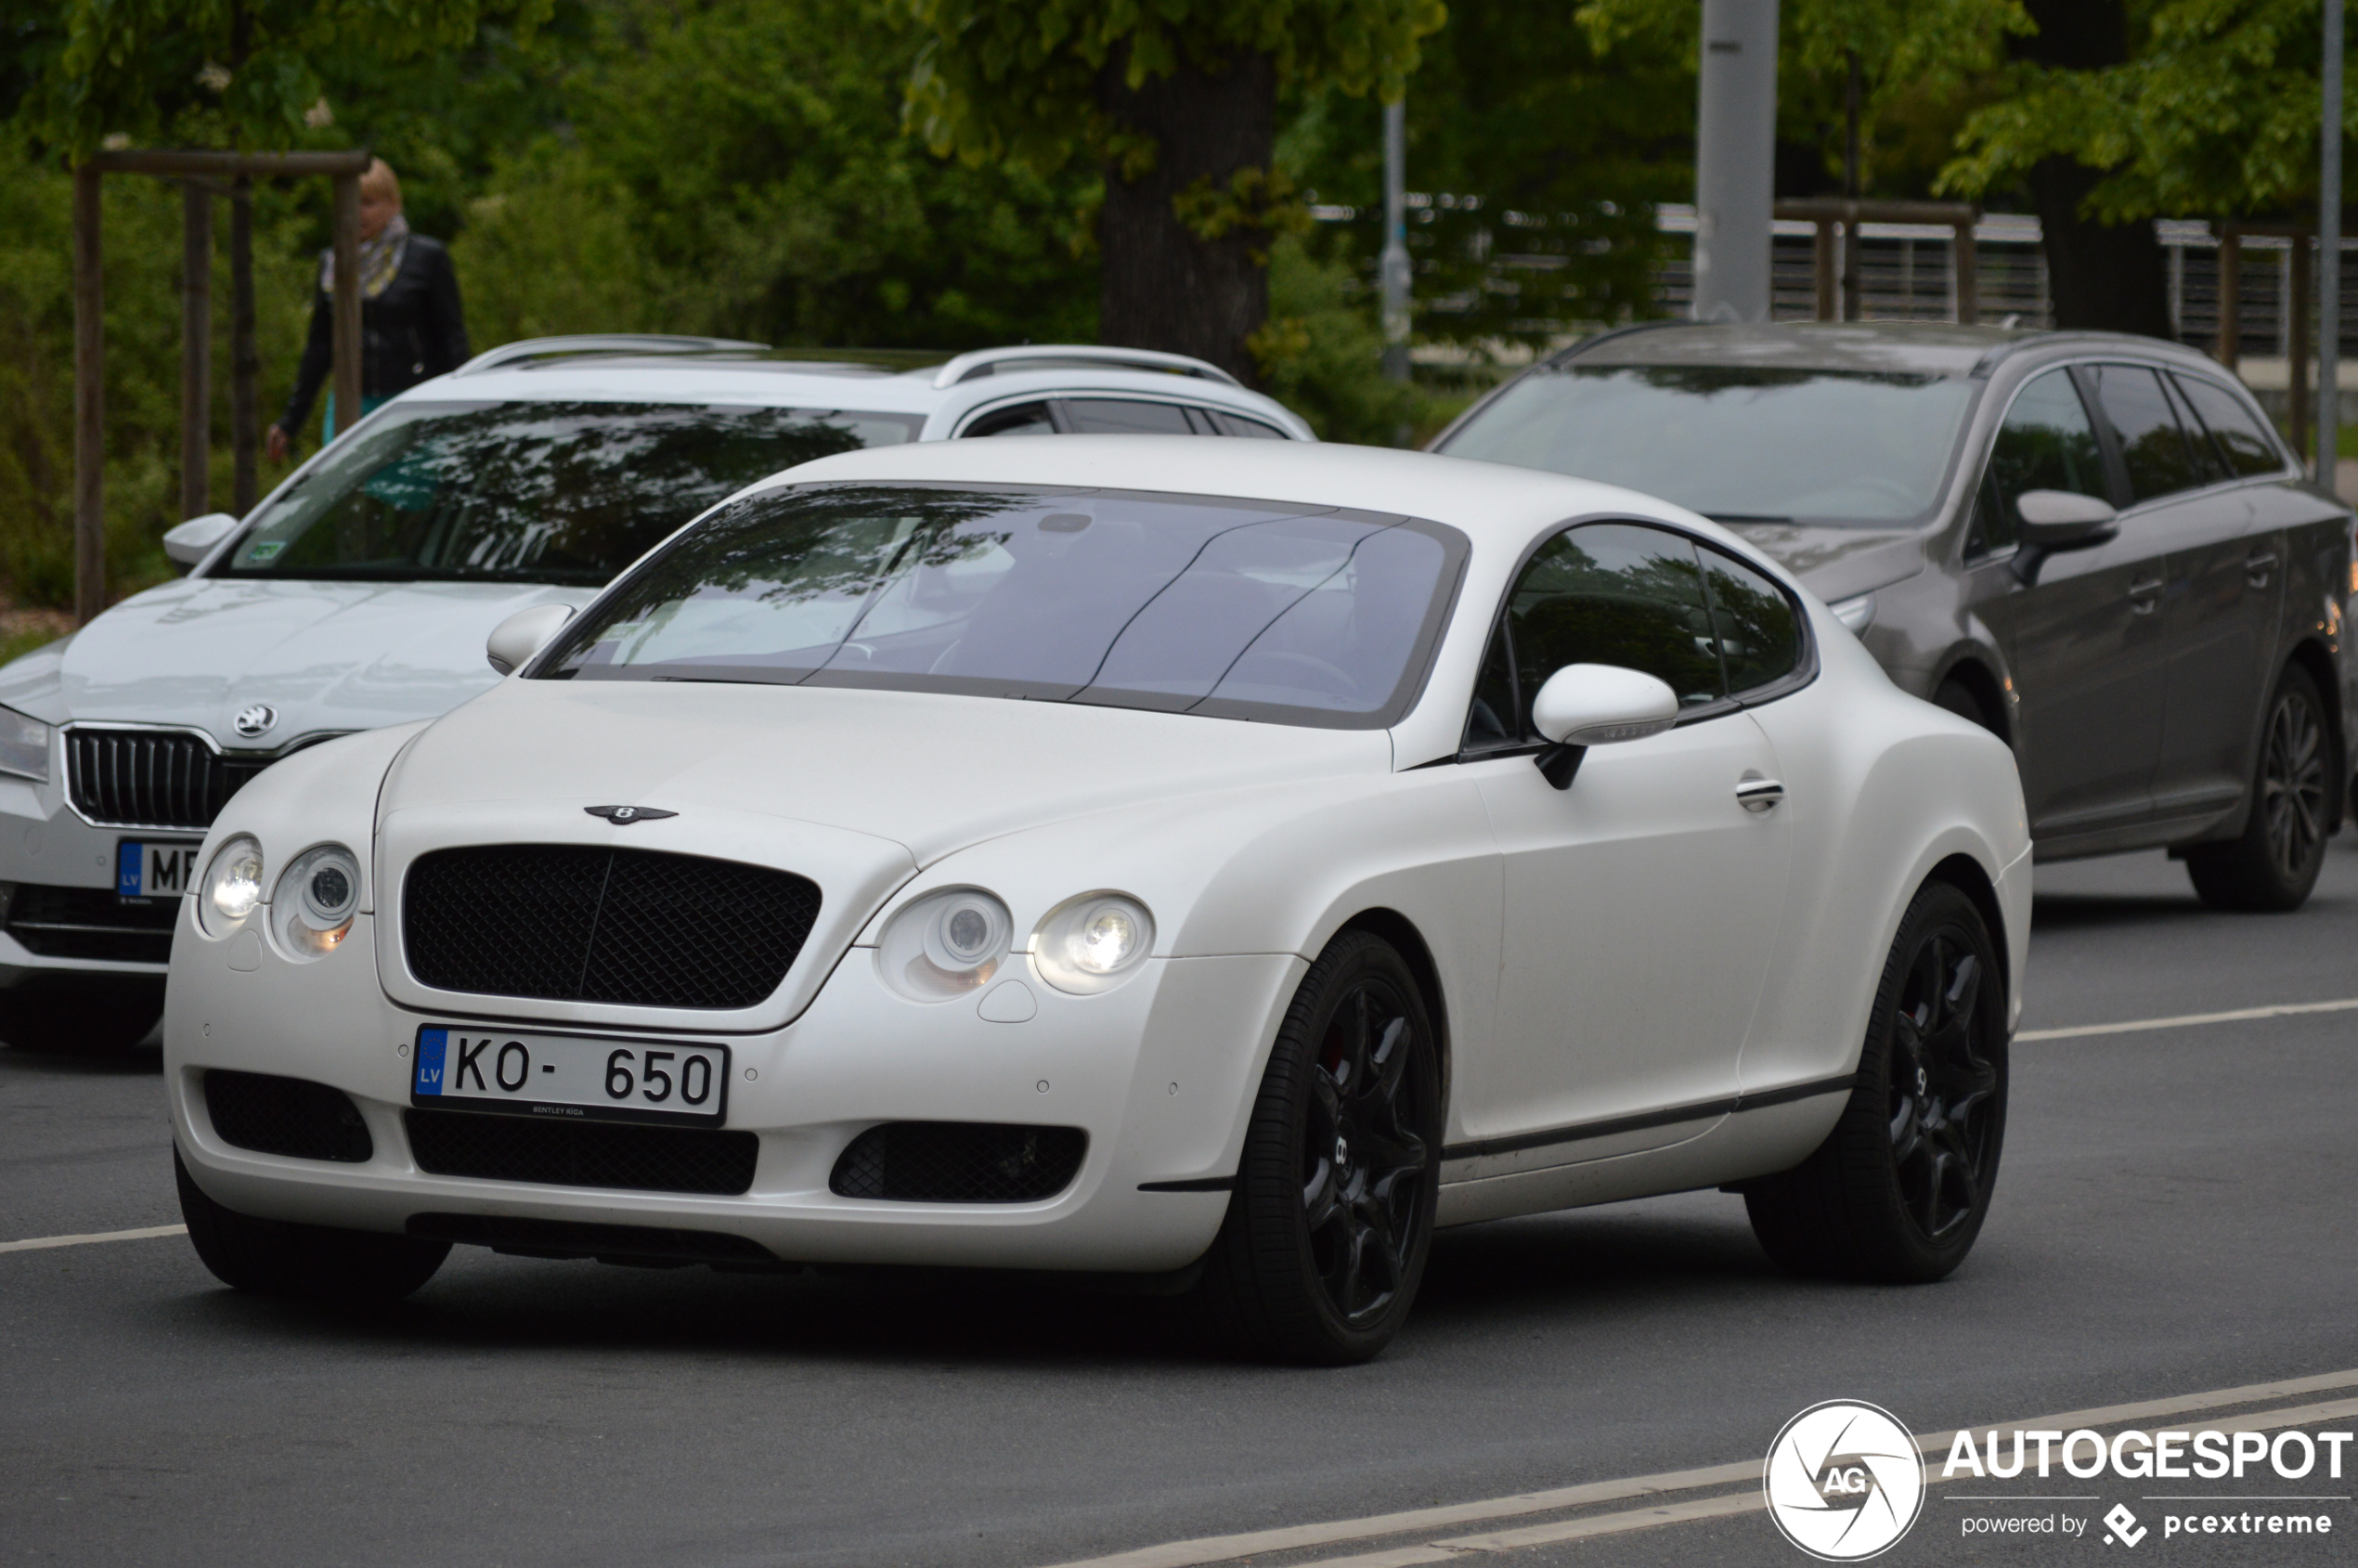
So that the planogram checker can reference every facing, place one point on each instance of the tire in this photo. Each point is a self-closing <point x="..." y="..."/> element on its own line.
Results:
<point x="1897" y="1192"/>
<point x="82" y="1022"/>
<point x="2272" y="866"/>
<point x="1328" y="1230"/>
<point x="1961" y="700"/>
<point x="274" y="1258"/>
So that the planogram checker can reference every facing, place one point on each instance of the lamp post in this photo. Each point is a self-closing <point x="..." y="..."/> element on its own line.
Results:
<point x="1735" y="159"/>
<point x="1394" y="270"/>
<point x="2329" y="257"/>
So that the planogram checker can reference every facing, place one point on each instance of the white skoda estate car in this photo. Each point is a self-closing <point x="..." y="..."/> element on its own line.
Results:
<point x="1218" y="861"/>
<point x="359" y="592"/>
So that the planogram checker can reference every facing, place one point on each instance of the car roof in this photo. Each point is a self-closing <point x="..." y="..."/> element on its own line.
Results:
<point x="1888" y="347"/>
<point x="1499" y="505"/>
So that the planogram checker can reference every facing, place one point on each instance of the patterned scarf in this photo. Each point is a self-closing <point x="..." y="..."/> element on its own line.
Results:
<point x="380" y="259"/>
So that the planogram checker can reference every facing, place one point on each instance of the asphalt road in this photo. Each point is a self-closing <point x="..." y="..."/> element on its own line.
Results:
<point x="2174" y="1216"/>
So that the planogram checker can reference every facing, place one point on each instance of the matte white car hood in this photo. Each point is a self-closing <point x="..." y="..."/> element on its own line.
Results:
<point x="326" y="656"/>
<point x="929" y="773"/>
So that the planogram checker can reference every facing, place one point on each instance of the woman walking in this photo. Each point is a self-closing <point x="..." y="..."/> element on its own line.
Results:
<point x="410" y="324"/>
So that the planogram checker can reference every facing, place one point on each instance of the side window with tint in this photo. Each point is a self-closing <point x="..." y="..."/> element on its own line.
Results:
<point x="1759" y="633"/>
<point x="2241" y="439"/>
<point x="2153" y="446"/>
<point x="1025" y="418"/>
<point x="1118" y="416"/>
<point x="1612" y="593"/>
<point x="1226" y="423"/>
<point x="2047" y="443"/>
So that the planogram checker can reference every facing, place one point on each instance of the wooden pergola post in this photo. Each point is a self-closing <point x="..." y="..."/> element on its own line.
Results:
<point x="2296" y="349"/>
<point x="89" y="326"/>
<point x="1822" y="256"/>
<point x="1841" y="296"/>
<point x="2231" y="290"/>
<point x="1965" y="268"/>
<point x="196" y="348"/>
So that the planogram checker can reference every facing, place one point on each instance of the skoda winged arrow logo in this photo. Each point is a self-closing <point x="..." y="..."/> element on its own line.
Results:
<point x="623" y="816"/>
<point x="254" y="720"/>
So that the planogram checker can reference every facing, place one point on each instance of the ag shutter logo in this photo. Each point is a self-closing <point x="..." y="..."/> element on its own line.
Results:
<point x="2121" y="1525"/>
<point x="1844" y="1481"/>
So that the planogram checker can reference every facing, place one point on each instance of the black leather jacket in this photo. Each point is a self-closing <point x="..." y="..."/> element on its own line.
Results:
<point x="410" y="333"/>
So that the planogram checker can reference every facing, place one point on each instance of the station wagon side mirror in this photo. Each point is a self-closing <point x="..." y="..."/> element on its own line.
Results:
<point x="194" y="540"/>
<point x="1585" y="704"/>
<point x="2058" y="519"/>
<point x="524" y="634"/>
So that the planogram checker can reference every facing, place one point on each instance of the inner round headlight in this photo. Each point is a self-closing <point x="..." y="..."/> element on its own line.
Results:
<point x="945" y="944"/>
<point x="232" y="885"/>
<point x="317" y="895"/>
<point x="1094" y="942"/>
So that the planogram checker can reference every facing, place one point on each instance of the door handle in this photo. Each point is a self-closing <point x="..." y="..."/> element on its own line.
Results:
<point x="1758" y="794"/>
<point x="2144" y="596"/>
<point x="2257" y="565"/>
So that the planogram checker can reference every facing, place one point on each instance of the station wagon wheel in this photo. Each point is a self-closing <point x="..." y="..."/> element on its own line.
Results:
<point x="1326" y="1233"/>
<point x="2274" y="863"/>
<point x="1899" y="1190"/>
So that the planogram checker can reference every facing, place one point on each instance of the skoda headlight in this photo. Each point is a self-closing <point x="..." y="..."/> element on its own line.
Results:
<point x="313" y="908"/>
<point x="25" y="745"/>
<point x="1094" y="942"/>
<point x="945" y="944"/>
<point x="232" y="885"/>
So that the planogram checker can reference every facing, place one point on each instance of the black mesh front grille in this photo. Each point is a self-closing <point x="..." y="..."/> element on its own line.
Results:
<point x="286" y="1116"/>
<point x="574" y="923"/>
<point x="152" y="778"/>
<point x="572" y="1238"/>
<point x="92" y="923"/>
<point x="520" y="1148"/>
<point x="959" y="1163"/>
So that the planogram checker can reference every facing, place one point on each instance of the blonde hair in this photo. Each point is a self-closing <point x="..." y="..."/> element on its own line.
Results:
<point x="382" y="179"/>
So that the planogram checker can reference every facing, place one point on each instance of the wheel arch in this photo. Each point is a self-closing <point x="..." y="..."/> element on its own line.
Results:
<point x="1971" y="670"/>
<point x="1401" y="932"/>
<point x="1966" y="874"/>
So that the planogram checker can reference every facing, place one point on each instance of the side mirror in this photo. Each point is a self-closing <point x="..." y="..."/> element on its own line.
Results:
<point x="1585" y="704"/>
<point x="2059" y="520"/>
<point x="194" y="540"/>
<point x="524" y="634"/>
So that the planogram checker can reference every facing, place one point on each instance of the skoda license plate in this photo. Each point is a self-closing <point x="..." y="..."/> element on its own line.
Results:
<point x="570" y="1076"/>
<point x="146" y="869"/>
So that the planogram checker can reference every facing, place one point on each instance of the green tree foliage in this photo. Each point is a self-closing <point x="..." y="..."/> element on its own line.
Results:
<point x="2214" y="112"/>
<point x="241" y="73"/>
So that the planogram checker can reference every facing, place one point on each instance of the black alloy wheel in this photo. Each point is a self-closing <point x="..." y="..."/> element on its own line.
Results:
<point x="1900" y="1189"/>
<point x="348" y="1268"/>
<point x="2272" y="866"/>
<point x="1940" y="1091"/>
<point x="1331" y="1219"/>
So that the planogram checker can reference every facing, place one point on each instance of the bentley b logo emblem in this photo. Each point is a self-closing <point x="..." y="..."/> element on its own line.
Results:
<point x="623" y="816"/>
<point x="254" y="720"/>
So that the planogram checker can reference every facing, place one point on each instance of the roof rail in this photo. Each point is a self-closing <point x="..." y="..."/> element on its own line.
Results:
<point x="1062" y="356"/>
<point x="1574" y="351"/>
<point x="597" y="343"/>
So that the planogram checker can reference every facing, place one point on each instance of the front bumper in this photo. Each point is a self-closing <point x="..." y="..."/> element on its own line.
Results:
<point x="1159" y="1074"/>
<point x="43" y="844"/>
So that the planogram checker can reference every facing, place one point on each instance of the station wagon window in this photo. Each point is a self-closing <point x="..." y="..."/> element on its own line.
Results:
<point x="2240" y="437"/>
<point x="1641" y="598"/>
<point x="2160" y="458"/>
<point x="1025" y="418"/>
<point x="2047" y="443"/>
<point x="1119" y="416"/>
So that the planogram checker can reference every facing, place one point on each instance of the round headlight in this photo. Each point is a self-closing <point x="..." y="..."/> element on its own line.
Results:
<point x="317" y="895"/>
<point x="945" y="945"/>
<point x="232" y="885"/>
<point x="1093" y="943"/>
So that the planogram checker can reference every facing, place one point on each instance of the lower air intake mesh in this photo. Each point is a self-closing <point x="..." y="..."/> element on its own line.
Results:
<point x="959" y="1163"/>
<point x="520" y="1148"/>
<point x="286" y="1116"/>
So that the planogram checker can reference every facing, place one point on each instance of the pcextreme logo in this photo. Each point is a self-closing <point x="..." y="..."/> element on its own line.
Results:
<point x="1844" y="1481"/>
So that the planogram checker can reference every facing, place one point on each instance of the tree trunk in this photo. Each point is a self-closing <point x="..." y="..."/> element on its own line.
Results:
<point x="2102" y="277"/>
<point x="1163" y="286"/>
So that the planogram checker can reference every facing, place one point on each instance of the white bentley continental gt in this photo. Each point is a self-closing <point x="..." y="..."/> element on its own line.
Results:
<point x="1218" y="861"/>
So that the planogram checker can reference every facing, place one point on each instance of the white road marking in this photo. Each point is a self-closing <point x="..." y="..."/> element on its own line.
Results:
<point x="2186" y="1021"/>
<point x="1224" y="1548"/>
<point x="38" y="1242"/>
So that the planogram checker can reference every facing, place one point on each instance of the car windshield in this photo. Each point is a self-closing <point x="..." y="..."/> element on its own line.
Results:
<point x="1740" y="443"/>
<point x="1237" y="609"/>
<point x="545" y="492"/>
